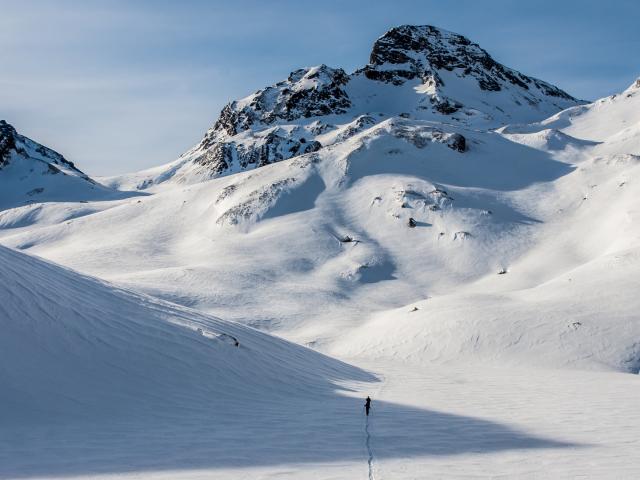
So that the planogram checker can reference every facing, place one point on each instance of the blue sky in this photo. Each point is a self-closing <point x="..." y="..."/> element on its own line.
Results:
<point x="118" y="86"/>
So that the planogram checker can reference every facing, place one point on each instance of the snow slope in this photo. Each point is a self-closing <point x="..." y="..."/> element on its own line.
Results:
<point x="320" y="247"/>
<point x="106" y="383"/>
<point x="99" y="371"/>
<point x="291" y="216"/>
<point x="569" y="297"/>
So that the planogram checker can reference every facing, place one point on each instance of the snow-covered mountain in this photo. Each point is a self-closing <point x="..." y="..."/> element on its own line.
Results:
<point x="417" y="72"/>
<point x="38" y="185"/>
<point x="397" y="212"/>
<point x="32" y="173"/>
<point x="467" y="233"/>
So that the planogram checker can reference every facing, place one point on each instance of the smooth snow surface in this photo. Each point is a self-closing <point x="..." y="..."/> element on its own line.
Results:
<point x="97" y="379"/>
<point x="486" y="297"/>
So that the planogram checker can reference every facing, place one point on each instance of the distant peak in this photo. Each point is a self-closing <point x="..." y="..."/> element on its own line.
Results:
<point x="635" y="85"/>
<point x="424" y="52"/>
<point x="7" y="142"/>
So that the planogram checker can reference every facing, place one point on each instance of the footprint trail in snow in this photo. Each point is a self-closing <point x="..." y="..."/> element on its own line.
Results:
<point x="369" y="450"/>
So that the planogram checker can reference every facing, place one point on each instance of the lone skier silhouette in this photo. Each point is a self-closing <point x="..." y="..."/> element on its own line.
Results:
<point x="367" y="405"/>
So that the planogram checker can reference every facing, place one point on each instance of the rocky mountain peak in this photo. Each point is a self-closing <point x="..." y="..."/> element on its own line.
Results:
<point x="408" y="52"/>
<point x="422" y="73"/>
<point x="307" y="92"/>
<point x="31" y="173"/>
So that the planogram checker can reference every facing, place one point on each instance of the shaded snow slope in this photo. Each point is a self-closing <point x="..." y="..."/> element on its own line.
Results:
<point x="86" y="365"/>
<point x="79" y="348"/>
<point x="418" y="72"/>
<point x="99" y="380"/>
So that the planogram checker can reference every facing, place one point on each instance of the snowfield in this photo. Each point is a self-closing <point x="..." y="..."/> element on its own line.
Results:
<point x="453" y="238"/>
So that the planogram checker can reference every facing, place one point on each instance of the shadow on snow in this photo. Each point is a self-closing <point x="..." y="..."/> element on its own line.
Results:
<point x="325" y="428"/>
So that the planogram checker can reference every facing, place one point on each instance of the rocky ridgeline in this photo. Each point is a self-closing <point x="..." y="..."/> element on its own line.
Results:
<point x="308" y="92"/>
<point x="272" y="147"/>
<point x="410" y="52"/>
<point x="294" y="116"/>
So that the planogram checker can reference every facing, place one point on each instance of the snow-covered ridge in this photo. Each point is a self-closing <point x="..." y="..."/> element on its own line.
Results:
<point x="416" y="72"/>
<point x="31" y="174"/>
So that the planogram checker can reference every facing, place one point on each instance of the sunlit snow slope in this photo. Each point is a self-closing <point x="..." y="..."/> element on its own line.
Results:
<point x="427" y="234"/>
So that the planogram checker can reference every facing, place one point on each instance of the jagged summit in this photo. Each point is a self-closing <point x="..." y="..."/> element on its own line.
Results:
<point x="421" y="73"/>
<point x="409" y="51"/>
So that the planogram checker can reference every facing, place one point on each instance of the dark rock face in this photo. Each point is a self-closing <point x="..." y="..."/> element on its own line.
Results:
<point x="408" y="52"/>
<point x="457" y="142"/>
<point x="312" y="147"/>
<point x="222" y="156"/>
<point x="217" y="158"/>
<point x="7" y="142"/>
